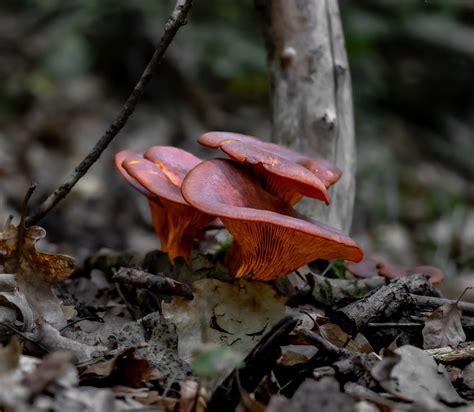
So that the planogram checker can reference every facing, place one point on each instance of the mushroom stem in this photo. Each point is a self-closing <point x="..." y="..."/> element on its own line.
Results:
<point x="159" y="219"/>
<point x="185" y="223"/>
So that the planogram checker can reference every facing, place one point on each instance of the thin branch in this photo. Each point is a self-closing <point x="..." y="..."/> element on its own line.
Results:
<point x="434" y="302"/>
<point x="22" y="227"/>
<point x="157" y="283"/>
<point x="175" y="21"/>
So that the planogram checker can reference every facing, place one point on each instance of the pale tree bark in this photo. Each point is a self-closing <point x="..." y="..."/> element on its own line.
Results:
<point x="311" y="94"/>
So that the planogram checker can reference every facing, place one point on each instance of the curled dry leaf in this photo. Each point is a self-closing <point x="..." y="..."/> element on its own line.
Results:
<point x="444" y="328"/>
<point x="35" y="271"/>
<point x="17" y="301"/>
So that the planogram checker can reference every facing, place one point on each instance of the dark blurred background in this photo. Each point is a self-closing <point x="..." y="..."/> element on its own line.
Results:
<point x="66" y="66"/>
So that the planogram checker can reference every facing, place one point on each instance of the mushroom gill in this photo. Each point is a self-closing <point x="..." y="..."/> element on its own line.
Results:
<point x="270" y="237"/>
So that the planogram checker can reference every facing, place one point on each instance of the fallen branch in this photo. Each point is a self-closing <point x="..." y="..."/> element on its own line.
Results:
<point x="384" y="303"/>
<point x="175" y="21"/>
<point x="435" y="302"/>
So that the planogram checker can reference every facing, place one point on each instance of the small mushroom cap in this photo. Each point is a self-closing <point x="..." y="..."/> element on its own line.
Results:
<point x="174" y="162"/>
<point x="324" y="170"/>
<point x="284" y="178"/>
<point x="119" y="159"/>
<point x="175" y="221"/>
<point x="269" y="241"/>
<point x="152" y="178"/>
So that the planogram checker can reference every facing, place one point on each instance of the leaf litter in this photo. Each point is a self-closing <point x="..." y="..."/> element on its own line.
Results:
<point x="140" y="344"/>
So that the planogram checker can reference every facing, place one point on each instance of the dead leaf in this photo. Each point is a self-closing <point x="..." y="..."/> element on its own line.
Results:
<point x="413" y="375"/>
<point x="35" y="271"/>
<point x="10" y="356"/>
<point x="236" y="314"/>
<point x="47" y="266"/>
<point x="13" y="367"/>
<point x="17" y="301"/>
<point x="123" y="369"/>
<point x="334" y="334"/>
<point x="47" y="372"/>
<point x="294" y="357"/>
<point x="468" y="375"/>
<point x="324" y="395"/>
<point x="443" y="328"/>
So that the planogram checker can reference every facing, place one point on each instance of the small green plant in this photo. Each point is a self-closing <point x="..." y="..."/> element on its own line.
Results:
<point x="211" y="361"/>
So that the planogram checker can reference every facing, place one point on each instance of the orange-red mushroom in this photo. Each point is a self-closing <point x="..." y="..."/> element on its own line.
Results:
<point x="269" y="240"/>
<point x="158" y="175"/>
<point x="369" y="268"/>
<point x="285" y="173"/>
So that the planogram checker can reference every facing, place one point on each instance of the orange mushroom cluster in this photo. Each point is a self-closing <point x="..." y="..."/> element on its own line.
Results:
<point x="252" y="193"/>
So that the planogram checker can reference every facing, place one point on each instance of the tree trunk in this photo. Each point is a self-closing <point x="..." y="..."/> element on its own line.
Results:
<point x="311" y="94"/>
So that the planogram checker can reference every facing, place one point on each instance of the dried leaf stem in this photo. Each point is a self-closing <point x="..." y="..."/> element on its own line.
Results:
<point x="175" y="21"/>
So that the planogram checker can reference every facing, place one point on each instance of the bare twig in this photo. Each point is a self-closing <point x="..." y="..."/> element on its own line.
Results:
<point x="175" y="21"/>
<point x="321" y="342"/>
<point x="435" y="302"/>
<point x="158" y="283"/>
<point x="22" y="227"/>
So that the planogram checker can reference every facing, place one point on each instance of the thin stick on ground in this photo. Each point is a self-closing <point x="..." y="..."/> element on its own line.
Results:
<point x="175" y="21"/>
<point x="157" y="283"/>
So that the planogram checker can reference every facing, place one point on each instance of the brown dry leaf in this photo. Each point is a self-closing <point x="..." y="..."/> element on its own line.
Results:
<point x="443" y="328"/>
<point x="35" y="271"/>
<point x="49" y="267"/>
<point x="10" y="356"/>
<point x="334" y="334"/>
<point x="123" y="369"/>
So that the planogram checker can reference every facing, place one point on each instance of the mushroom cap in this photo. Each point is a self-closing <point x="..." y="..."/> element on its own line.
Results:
<point x="175" y="222"/>
<point x="269" y="240"/>
<point x="281" y="176"/>
<point x="150" y="176"/>
<point x="324" y="170"/>
<point x="370" y="267"/>
<point x="174" y="162"/>
<point x="119" y="159"/>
